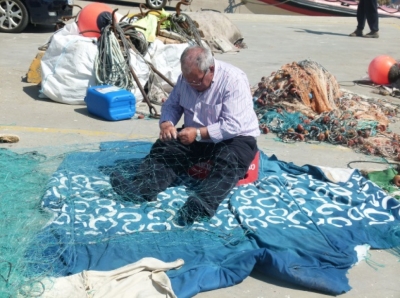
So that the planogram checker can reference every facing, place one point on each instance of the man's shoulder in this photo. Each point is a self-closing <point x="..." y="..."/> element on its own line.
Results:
<point x="228" y="70"/>
<point x="226" y="66"/>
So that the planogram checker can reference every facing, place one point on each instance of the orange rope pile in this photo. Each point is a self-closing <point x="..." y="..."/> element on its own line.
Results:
<point x="326" y="113"/>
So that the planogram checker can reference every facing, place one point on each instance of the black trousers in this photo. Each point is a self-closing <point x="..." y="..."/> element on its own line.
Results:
<point x="368" y="11"/>
<point x="230" y="158"/>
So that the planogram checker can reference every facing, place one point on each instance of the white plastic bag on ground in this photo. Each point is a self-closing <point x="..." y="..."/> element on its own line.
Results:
<point x="166" y="59"/>
<point x="142" y="71"/>
<point x="67" y="66"/>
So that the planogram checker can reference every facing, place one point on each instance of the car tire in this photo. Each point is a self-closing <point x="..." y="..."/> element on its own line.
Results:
<point x="20" y="19"/>
<point x="155" y="4"/>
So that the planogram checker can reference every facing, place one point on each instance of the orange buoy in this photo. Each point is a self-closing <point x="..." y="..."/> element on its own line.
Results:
<point x="92" y="18"/>
<point x="379" y="68"/>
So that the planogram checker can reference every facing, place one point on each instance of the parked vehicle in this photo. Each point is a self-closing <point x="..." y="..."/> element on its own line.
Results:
<point x="156" y="4"/>
<point x="160" y="4"/>
<point x="15" y="15"/>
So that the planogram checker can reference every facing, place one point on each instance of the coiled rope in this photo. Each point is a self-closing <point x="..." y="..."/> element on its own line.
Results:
<point x="112" y="60"/>
<point x="136" y="37"/>
<point x="184" y="26"/>
<point x="302" y="102"/>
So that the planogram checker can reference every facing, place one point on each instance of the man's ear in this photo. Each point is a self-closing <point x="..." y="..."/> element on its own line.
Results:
<point x="212" y="68"/>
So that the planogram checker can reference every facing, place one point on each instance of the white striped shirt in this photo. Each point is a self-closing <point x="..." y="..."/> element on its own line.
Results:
<point x="225" y="108"/>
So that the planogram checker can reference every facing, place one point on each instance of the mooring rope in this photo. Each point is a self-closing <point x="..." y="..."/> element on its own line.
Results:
<point x="112" y="60"/>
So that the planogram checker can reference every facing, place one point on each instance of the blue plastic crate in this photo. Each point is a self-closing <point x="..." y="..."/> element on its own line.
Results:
<point x="110" y="102"/>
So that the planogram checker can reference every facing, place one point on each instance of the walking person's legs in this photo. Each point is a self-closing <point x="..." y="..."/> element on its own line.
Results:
<point x="372" y="16"/>
<point x="361" y="18"/>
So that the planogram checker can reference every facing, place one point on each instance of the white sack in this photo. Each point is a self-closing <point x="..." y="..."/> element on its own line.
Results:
<point x="142" y="71"/>
<point x="67" y="66"/>
<point x="166" y="58"/>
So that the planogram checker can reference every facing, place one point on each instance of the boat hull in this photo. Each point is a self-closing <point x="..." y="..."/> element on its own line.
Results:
<point x="323" y="7"/>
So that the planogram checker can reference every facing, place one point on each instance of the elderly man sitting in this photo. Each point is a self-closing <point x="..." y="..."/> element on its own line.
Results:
<point x="220" y="127"/>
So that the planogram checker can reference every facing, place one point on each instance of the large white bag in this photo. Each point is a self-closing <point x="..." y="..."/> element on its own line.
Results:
<point x="166" y="59"/>
<point x="67" y="66"/>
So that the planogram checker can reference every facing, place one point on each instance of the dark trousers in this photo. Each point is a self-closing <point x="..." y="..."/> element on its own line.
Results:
<point x="166" y="160"/>
<point x="368" y="11"/>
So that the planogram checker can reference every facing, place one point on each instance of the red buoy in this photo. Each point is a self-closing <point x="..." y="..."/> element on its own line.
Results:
<point x="92" y="18"/>
<point x="379" y="68"/>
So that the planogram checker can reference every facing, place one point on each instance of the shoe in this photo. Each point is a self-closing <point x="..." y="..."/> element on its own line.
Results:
<point x="372" y="34"/>
<point x="357" y="33"/>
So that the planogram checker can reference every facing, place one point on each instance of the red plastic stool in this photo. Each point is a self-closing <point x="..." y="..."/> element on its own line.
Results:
<point x="252" y="172"/>
<point x="202" y="169"/>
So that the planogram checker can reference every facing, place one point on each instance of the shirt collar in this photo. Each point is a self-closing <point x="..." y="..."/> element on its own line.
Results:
<point x="216" y="68"/>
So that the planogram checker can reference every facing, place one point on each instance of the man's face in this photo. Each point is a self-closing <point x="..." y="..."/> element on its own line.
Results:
<point x="199" y="80"/>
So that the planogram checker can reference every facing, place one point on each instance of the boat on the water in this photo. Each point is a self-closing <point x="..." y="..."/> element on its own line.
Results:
<point x="331" y="7"/>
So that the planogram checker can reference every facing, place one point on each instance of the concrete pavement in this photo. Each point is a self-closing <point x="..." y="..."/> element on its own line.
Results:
<point x="273" y="40"/>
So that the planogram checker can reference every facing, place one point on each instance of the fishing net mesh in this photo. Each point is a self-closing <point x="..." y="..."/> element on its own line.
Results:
<point x="21" y="185"/>
<point x="316" y="87"/>
<point x="54" y="200"/>
<point x="54" y="207"/>
<point x="75" y="184"/>
<point x="302" y="101"/>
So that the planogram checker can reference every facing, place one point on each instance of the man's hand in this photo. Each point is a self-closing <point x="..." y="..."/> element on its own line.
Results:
<point x="187" y="135"/>
<point x="167" y="132"/>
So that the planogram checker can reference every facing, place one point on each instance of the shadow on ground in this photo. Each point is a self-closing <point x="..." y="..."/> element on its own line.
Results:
<point x="301" y="30"/>
<point x="32" y="91"/>
<point x="40" y="28"/>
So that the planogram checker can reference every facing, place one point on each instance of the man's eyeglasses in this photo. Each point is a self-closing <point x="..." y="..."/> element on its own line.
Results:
<point x="194" y="83"/>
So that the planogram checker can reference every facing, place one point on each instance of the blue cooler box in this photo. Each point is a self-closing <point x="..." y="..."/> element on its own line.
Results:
<point x="110" y="102"/>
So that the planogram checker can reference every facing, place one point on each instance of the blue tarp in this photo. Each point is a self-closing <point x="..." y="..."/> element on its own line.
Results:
<point x="292" y="223"/>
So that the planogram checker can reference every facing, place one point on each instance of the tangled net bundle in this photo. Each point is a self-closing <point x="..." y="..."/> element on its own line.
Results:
<point x="186" y="27"/>
<point x="56" y="201"/>
<point x="303" y="102"/>
<point x="20" y="218"/>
